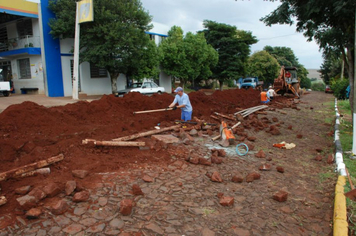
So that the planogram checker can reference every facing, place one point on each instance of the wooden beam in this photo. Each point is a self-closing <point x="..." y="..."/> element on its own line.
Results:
<point x="114" y="143"/>
<point x="156" y="131"/>
<point x="30" y="167"/>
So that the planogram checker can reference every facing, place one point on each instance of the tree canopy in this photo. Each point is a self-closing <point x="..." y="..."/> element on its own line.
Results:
<point x="285" y="57"/>
<point x="264" y="66"/>
<point x="115" y="40"/>
<point x="186" y="57"/>
<point x="330" y="22"/>
<point x="233" y="47"/>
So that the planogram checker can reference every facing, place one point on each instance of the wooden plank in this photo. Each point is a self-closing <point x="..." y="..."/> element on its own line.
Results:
<point x="30" y="167"/>
<point x="156" y="131"/>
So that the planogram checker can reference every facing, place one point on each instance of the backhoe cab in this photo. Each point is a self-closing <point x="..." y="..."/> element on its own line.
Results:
<point x="287" y="81"/>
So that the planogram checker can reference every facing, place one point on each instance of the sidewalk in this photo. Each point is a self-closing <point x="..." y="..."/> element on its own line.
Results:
<point x="41" y="99"/>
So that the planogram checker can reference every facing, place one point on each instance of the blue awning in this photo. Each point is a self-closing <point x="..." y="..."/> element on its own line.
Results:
<point x="29" y="51"/>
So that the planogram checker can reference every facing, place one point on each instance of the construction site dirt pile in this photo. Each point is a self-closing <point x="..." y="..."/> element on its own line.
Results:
<point x="30" y="133"/>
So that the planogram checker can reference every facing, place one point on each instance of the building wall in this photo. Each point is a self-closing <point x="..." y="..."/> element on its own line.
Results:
<point x="36" y="80"/>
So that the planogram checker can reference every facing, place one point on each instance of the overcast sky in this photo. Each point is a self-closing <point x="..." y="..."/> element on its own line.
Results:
<point x="245" y="15"/>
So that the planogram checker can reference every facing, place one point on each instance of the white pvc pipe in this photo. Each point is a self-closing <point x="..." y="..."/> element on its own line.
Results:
<point x="340" y="166"/>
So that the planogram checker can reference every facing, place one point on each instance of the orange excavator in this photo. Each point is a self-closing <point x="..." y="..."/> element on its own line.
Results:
<point x="287" y="81"/>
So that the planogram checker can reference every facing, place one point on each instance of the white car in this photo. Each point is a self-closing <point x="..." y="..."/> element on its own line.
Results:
<point x="144" y="88"/>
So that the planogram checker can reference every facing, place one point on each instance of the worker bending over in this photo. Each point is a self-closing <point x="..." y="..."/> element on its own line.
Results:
<point x="183" y="103"/>
<point x="271" y="93"/>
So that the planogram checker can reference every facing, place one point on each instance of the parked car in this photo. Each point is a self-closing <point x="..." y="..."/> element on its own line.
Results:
<point x="328" y="89"/>
<point x="144" y="88"/>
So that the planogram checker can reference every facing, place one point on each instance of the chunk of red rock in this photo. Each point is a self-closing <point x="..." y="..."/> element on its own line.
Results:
<point x="237" y="179"/>
<point x="221" y="152"/>
<point x="226" y="201"/>
<point x="147" y="178"/>
<point x="274" y="119"/>
<point x="351" y="194"/>
<point x="299" y="136"/>
<point x="126" y="206"/>
<point x="250" y="146"/>
<point x="37" y="193"/>
<point x="71" y="185"/>
<point x="251" y="139"/>
<point x="274" y="130"/>
<point x="318" y="158"/>
<point x="260" y="154"/>
<point x="280" y="196"/>
<point x="80" y="173"/>
<point x="23" y="190"/>
<point x="252" y="176"/>
<point x="136" y="190"/>
<point x="33" y="213"/>
<point x="59" y="207"/>
<point x="265" y="167"/>
<point x="290" y="127"/>
<point x="215" y="177"/>
<point x="51" y="190"/>
<point x="27" y="202"/>
<point x="220" y="195"/>
<point x="280" y="169"/>
<point x="216" y="160"/>
<point x="330" y="159"/>
<point x="81" y="196"/>
<point x="194" y="160"/>
<point x="203" y="161"/>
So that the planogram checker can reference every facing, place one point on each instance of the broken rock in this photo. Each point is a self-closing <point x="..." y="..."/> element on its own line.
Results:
<point x="80" y="173"/>
<point x="260" y="154"/>
<point x="33" y="213"/>
<point x="226" y="201"/>
<point x="59" y="207"/>
<point x="136" y="190"/>
<point x="280" y="196"/>
<point x="23" y="190"/>
<point x="126" y="207"/>
<point x="70" y="187"/>
<point x="81" y="196"/>
<point x="52" y="189"/>
<point x="215" y="177"/>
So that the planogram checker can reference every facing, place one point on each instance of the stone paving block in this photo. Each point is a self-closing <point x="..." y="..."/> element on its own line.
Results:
<point x="166" y="138"/>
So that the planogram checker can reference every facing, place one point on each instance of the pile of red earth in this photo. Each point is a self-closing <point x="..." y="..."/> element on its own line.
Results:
<point x="30" y="133"/>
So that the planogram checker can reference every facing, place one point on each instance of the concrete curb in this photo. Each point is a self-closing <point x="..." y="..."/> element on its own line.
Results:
<point x="340" y="214"/>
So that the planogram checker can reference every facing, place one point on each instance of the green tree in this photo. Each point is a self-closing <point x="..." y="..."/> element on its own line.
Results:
<point x="186" y="58"/>
<point x="115" y="40"/>
<point x="285" y="57"/>
<point x="264" y="66"/>
<point x="233" y="47"/>
<point x="305" y="83"/>
<point x="330" y="22"/>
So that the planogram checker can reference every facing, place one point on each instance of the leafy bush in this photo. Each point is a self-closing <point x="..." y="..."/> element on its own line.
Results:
<point x="339" y="88"/>
<point x="318" y="86"/>
<point x="230" y="83"/>
<point x="305" y="83"/>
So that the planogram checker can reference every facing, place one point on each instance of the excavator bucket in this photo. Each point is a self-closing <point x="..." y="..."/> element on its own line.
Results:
<point x="278" y="84"/>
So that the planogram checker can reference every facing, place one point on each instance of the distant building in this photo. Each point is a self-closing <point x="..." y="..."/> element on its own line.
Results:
<point x="33" y="59"/>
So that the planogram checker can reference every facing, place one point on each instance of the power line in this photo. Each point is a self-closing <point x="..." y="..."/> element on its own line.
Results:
<point x="278" y="36"/>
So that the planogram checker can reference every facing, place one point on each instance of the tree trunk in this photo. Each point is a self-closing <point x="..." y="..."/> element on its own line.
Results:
<point x="350" y="70"/>
<point x="113" y="77"/>
<point x="221" y="83"/>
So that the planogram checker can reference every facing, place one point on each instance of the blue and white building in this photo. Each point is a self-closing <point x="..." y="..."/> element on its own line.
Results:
<point x="33" y="59"/>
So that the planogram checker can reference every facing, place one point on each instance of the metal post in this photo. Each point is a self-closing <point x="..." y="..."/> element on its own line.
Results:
<point x="76" y="56"/>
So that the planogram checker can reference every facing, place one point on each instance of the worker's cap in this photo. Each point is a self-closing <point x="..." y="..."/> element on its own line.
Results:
<point x="270" y="87"/>
<point x="178" y="89"/>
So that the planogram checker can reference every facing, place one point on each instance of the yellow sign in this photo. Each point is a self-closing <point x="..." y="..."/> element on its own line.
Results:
<point x="85" y="11"/>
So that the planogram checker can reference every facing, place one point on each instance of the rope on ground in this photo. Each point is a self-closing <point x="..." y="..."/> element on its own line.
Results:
<point x="238" y="151"/>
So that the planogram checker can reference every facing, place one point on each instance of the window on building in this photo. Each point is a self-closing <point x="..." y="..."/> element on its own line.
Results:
<point x="152" y="37"/>
<point x="24" y="68"/>
<point x="96" y="72"/>
<point x="24" y="28"/>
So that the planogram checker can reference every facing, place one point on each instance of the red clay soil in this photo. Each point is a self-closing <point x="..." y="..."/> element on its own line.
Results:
<point x="30" y="133"/>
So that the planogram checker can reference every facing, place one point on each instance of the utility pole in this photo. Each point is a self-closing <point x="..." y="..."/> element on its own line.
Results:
<point x="354" y="101"/>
